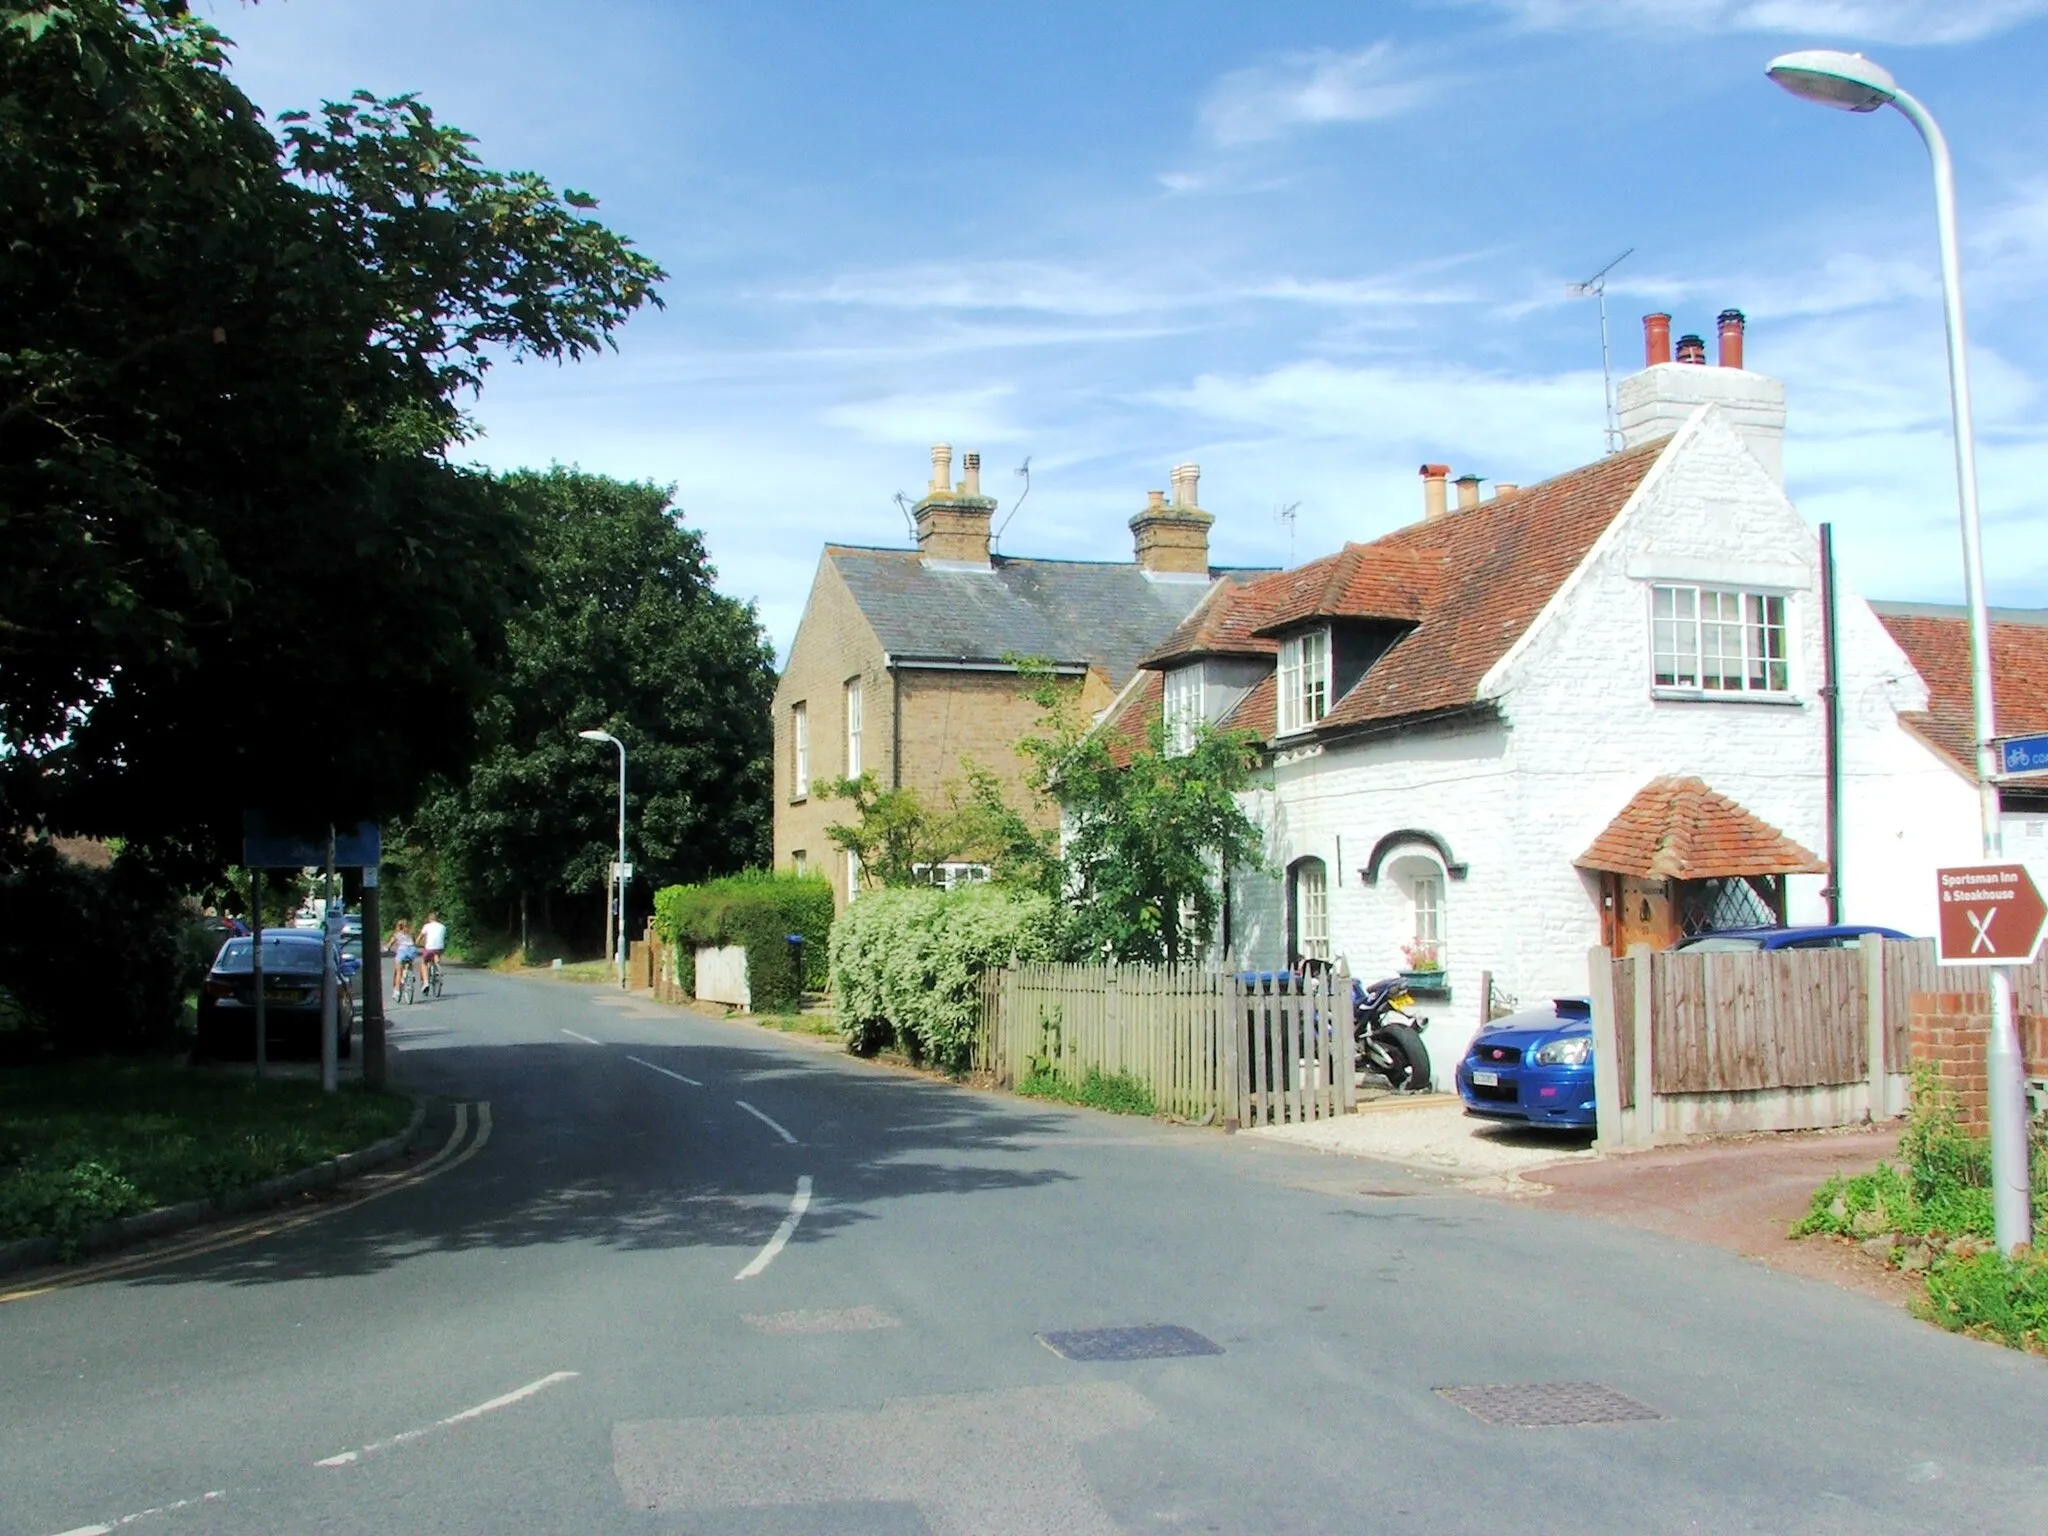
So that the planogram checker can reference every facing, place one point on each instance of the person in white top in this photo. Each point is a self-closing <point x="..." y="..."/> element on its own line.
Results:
<point x="433" y="939"/>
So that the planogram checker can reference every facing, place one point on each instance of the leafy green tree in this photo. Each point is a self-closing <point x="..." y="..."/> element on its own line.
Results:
<point x="1149" y="835"/>
<point x="624" y="632"/>
<point x="239" y="569"/>
<point x="899" y="835"/>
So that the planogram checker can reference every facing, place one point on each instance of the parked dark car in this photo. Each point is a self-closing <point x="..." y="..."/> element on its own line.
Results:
<point x="1822" y="936"/>
<point x="292" y="961"/>
<point x="1534" y="1067"/>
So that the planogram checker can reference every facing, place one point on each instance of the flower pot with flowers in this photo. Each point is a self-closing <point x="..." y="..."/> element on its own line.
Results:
<point x="1423" y="964"/>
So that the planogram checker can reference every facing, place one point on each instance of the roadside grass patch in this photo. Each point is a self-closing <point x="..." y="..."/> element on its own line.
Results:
<point x="1117" y="1092"/>
<point x="1931" y="1214"/>
<point x="88" y="1141"/>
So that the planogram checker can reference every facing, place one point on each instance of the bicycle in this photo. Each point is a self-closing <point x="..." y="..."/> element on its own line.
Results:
<point x="408" y="985"/>
<point x="434" y="977"/>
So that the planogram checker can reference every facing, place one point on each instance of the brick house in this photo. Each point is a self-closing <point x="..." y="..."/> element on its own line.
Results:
<point x="1585" y="711"/>
<point x="903" y="663"/>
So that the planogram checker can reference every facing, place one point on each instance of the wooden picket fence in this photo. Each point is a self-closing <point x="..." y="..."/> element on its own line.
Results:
<point x="1211" y="1046"/>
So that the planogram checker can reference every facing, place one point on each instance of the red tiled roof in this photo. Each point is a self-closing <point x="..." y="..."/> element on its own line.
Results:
<point x="1496" y="565"/>
<point x="1221" y="625"/>
<point x="1129" y="727"/>
<point x="1470" y="582"/>
<point x="1938" y="645"/>
<point x="1676" y="828"/>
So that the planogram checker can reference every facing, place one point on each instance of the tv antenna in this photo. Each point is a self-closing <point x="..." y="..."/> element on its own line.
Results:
<point x="1286" y="515"/>
<point x="903" y="505"/>
<point x="1596" y="287"/>
<point x="1024" y="474"/>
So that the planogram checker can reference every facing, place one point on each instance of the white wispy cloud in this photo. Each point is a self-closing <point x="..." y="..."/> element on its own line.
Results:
<point x="971" y="416"/>
<point x="1311" y="89"/>
<point x="1886" y="21"/>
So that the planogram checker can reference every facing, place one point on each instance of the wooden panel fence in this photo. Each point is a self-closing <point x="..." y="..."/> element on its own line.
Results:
<point x="1747" y="1040"/>
<point x="1208" y="1045"/>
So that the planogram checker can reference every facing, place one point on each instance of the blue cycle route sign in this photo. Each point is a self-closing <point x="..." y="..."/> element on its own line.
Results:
<point x="2023" y="754"/>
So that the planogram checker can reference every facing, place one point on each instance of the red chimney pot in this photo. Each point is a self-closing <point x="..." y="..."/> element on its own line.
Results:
<point x="1656" y="340"/>
<point x="1732" y="323"/>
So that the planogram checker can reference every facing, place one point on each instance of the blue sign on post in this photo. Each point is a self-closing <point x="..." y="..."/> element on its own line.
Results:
<point x="355" y="847"/>
<point x="2023" y="754"/>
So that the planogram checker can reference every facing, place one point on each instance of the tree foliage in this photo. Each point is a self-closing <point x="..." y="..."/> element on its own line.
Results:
<point x="900" y="835"/>
<point x="240" y="571"/>
<point x="624" y="632"/>
<point x="1150" y="837"/>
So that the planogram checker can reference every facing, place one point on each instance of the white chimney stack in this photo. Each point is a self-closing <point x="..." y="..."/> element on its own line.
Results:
<point x="942" y="469"/>
<point x="1185" y="479"/>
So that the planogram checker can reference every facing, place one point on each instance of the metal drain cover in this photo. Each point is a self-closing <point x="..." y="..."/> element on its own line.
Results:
<point x="1153" y="1341"/>
<point x="1549" y="1404"/>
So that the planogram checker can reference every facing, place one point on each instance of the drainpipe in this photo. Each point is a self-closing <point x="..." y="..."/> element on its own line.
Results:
<point x="1831" y="698"/>
<point x="895" y="722"/>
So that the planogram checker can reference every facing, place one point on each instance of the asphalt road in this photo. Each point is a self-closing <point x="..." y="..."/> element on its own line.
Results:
<point x="582" y="1321"/>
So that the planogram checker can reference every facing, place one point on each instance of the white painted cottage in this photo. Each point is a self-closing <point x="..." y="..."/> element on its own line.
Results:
<point x="1586" y="711"/>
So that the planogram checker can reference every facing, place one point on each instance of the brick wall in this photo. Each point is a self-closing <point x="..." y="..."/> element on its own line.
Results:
<point x="1950" y="1032"/>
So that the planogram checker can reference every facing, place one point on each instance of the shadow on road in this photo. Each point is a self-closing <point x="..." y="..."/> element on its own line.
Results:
<point x="606" y="1153"/>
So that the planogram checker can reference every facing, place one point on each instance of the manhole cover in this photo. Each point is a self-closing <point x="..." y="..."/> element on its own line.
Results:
<point x="1549" y="1404"/>
<point x="1153" y="1341"/>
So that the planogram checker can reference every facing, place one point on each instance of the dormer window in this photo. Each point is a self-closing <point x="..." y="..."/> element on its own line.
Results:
<point x="1183" y="709"/>
<point x="1304" y="680"/>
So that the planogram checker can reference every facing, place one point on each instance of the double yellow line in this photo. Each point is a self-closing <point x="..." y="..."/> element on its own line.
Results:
<point x="452" y="1155"/>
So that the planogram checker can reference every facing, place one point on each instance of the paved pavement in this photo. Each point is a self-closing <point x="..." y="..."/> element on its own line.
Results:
<point x="699" y="1277"/>
<point x="1433" y="1132"/>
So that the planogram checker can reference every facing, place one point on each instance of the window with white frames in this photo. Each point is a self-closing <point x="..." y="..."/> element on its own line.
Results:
<point x="800" y="863"/>
<point x="853" y="729"/>
<point x="1718" y="640"/>
<point x="1183" y="709"/>
<point x="800" y="747"/>
<point x="1304" y="680"/>
<point x="852" y="876"/>
<point x="1427" y="892"/>
<point x="1311" y="910"/>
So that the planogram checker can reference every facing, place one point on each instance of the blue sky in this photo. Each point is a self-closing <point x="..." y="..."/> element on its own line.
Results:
<point x="1308" y="246"/>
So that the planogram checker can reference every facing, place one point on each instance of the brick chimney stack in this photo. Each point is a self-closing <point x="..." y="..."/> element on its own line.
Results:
<point x="953" y="521"/>
<point x="1171" y="538"/>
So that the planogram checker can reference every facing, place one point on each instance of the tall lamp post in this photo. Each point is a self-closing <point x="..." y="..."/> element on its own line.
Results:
<point x="618" y="892"/>
<point x="1851" y="83"/>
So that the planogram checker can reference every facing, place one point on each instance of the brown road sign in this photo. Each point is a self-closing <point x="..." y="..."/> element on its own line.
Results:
<point x="1991" y="914"/>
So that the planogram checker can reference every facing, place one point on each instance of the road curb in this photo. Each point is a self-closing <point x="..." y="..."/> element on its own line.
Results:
<point x="36" y="1252"/>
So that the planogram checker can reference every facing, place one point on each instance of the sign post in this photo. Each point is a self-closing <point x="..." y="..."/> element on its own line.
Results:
<point x="1991" y="915"/>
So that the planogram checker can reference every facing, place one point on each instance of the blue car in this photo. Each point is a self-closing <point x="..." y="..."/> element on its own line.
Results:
<point x="1825" y="936"/>
<point x="1534" y="1067"/>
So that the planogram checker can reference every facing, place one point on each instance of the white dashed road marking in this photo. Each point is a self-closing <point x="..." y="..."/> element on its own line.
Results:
<point x="584" y="1038"/>
<point x="778" y="1130"/>
<point x="783" y="1233"/>
<point x="664" y="1071"/>
<point x="516" y="1395"/>
<point x="109" y="1526"/>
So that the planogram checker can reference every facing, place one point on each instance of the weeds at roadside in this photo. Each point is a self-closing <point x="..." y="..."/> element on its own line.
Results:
<point x="1931" y="1214"/>
<point x="1119" y="1093"/>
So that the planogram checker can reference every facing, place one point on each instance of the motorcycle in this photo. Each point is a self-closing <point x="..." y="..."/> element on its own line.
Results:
<point x="1387" y="1038"/>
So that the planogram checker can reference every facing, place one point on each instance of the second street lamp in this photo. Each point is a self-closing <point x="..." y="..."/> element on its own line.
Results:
<point x="618" y="882"/>
<point x="1851" y="83"/>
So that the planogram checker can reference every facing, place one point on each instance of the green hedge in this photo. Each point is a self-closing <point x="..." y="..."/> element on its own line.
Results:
<point x="907" y="965"/>
<point x="757" y="911"/>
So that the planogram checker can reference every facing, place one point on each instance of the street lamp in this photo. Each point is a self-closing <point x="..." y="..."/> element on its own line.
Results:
<point x="1851" y="83"/>
<point x="618" y="869"/>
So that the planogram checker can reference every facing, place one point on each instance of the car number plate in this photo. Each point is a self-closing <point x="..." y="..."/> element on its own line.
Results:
<point x="1486" y="1079"/>
<point x="288" y="999"/>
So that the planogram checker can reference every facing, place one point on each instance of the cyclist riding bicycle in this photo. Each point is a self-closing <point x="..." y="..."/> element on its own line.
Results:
<point x="406" y="955"/>
<point x="433" y="940"/>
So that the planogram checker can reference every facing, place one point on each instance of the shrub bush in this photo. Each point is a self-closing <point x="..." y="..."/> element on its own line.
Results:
<point x="907" y="965"/>
<point x="758" y="911"/>
<point x="92" y="960"/>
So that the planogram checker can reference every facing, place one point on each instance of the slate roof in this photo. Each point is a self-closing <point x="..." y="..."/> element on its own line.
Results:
<point x="1676" y="828"/>
<point x="1071" y="612"/>
<point x="1469" y="583"/>
<point x="1936" y="639"/>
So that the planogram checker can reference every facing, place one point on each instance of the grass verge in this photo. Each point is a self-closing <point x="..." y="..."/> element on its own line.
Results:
<point x="1119" y="1093"/>
<point x="85" y="1142"/>
<point x="1931" y="1215"/>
